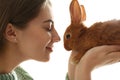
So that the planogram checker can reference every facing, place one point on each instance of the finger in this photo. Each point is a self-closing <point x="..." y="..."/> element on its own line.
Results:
<point x="112" y="58"/>
<point x="112" y="61"/>
<point x="109" y="47"/>
<point x="107" y="62"/>
<point x="104" y="49"/>
<point x="114" y="55"/>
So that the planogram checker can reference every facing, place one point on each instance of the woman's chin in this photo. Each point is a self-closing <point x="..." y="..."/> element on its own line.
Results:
<point x="44" y="60"/>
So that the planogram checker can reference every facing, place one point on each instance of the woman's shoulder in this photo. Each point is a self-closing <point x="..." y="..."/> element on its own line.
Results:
<point x="22" y="74"/>
<point x="17" y="74"/>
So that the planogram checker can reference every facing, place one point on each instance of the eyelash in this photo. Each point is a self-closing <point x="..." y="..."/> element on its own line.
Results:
<point x="49" y="29"/>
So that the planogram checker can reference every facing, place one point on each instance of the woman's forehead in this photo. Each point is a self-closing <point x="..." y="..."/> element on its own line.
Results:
<point x="46" y="13"/>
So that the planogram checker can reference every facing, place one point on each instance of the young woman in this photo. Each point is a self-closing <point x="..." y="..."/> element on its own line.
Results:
<point x="27" y="32"/>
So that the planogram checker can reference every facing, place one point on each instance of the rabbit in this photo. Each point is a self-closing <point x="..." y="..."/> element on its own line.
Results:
<point x="80" y="38"/>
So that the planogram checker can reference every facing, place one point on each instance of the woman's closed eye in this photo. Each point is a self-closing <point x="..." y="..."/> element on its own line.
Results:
<point x="50" y="27"/>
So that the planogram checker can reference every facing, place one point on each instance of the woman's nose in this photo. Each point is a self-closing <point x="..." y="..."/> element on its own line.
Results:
<point x="55" y="36"/>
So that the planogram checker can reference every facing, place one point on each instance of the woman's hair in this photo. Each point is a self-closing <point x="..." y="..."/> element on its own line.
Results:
<point x="18" y="13"/>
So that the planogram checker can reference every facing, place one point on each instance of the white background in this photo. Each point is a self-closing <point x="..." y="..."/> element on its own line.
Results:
<point x="56" y="68"/>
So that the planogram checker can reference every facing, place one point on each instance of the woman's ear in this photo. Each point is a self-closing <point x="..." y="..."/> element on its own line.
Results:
<point x="10" y="33"/>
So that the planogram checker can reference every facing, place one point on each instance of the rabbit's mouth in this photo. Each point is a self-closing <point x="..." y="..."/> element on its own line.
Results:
<point x="67" y="47"/>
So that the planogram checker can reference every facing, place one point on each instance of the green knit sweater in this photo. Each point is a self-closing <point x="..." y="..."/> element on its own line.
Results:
<point x="67" y="77"/>
<point x="17" y="74"/>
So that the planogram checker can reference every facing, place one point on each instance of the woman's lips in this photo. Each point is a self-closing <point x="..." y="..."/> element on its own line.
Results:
<point x="49" y="48"/>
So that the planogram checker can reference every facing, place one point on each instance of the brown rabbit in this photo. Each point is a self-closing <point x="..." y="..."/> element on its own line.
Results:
<point x="80" y="38"/>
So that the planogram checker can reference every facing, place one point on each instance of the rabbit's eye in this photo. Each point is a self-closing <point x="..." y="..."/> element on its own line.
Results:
<point x="68" y="36"/>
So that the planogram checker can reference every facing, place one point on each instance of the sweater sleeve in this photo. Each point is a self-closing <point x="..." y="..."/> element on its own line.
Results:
<point x="22" y="74"/>
<point x="67" y="78"/>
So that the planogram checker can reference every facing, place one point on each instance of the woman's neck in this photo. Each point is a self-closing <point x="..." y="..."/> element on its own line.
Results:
<point x="9" y="60"/>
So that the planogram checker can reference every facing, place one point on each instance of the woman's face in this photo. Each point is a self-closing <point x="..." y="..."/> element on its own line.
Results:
<point x="36" y="41"/>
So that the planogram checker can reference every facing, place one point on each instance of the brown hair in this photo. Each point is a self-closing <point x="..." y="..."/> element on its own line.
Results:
<point x="18" y="13"/>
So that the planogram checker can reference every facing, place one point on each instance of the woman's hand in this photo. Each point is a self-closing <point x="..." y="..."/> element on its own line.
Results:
<point x="93" y="58"/>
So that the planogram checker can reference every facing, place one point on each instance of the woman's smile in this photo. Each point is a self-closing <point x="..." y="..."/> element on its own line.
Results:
<point x="49" y="48"/>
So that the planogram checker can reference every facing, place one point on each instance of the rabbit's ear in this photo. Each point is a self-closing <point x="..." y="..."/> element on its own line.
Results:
<point x="75" y="12"/>
<point x="83" y="13"/>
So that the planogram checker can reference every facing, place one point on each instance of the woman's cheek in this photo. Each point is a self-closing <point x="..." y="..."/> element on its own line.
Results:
<point x="49" y="37"/>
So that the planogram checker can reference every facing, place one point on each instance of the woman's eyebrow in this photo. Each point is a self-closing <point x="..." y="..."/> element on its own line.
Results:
<point x="49" y="20"/>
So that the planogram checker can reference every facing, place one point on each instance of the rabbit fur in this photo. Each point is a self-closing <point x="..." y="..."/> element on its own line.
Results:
<point x="80" y="38"/>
